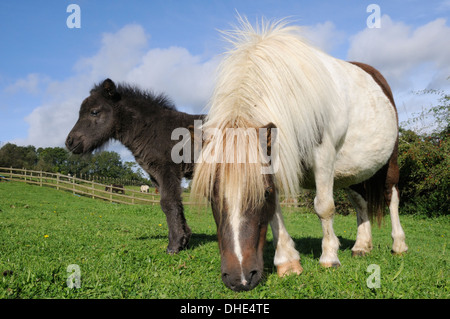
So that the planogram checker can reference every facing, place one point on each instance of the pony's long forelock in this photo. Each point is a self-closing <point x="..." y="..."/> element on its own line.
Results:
<point x="269" y="75"/>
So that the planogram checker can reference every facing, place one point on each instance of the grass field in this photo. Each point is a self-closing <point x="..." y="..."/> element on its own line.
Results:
<point x="120" y="253"/>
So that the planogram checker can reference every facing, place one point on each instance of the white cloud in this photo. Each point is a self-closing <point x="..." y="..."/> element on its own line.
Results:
<point x="186" y="79"/>
<point x="409" y="58"/>
<point x="324" y="35"/>
<point x="123" y="56"/>
<point x="29" y="85"/>
<point x="118" y="54"/>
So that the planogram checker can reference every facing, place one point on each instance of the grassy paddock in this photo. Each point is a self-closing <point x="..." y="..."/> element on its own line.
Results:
<point x="120" y="252"/>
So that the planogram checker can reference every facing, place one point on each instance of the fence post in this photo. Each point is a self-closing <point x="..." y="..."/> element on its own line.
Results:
<point x="73" y="183"/>
<point x="57" y="181"/>
<point x="93" y="194"/>
<point x="40" y="178"/>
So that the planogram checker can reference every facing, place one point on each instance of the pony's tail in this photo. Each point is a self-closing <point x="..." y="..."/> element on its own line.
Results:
<point x="375" y="195"/>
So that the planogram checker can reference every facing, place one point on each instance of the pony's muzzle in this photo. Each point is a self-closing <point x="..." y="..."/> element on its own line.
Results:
<point x="242" y="281"/>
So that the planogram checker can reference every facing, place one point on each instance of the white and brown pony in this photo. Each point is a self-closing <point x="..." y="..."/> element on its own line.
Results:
<point x="335" y="126"/>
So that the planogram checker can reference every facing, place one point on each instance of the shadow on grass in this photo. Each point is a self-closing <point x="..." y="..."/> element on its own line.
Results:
<point x="196" y="240"/>
<point x="306" y="246"/>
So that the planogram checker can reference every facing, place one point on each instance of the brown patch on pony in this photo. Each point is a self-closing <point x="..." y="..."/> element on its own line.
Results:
<point x="381" y="81"/>
<point x="377" y="190"/>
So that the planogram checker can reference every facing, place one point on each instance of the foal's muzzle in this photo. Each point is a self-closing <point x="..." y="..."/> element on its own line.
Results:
<point x="74" y="145"/>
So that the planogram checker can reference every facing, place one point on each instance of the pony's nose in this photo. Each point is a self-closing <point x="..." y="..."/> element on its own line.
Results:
<point x="241" y="281"/>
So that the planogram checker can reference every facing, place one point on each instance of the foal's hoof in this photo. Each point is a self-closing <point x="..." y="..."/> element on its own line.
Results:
<point x="172" y="251"/>
<point x="175" y="246"/>
<point x="291" y="267"/>
<point x="175" y="249"/>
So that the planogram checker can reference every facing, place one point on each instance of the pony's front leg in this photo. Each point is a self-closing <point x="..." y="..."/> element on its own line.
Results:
<point x="324" y="158"/>
<point x="287" y="258"/>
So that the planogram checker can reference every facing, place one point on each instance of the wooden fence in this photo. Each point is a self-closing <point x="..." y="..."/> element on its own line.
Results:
<point x="78" y="186"/>
<point x="132" y="194"/>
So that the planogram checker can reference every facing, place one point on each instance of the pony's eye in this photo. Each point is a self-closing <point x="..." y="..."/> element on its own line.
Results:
<point x="94" y="112"/>
<point x="269" y="190"/>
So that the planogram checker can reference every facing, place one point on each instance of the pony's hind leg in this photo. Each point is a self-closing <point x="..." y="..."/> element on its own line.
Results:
<point x="363" y="244"/>
<point x="398" y="235"/>
<point x="392" y="198"/>
<point x="287" y="258"/>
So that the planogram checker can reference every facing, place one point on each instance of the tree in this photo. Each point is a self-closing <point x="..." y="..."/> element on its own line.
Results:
<point x="424" y="160"/>
<point x="52" y="159"/>
<point x="15" y="156"/>
<point x="106" y="164"/>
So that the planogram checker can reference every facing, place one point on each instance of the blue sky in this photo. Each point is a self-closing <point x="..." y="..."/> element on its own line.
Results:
<point x="47" y="69"/>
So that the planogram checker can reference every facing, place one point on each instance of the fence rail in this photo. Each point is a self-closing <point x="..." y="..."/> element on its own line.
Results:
<point x="78" y="186"/>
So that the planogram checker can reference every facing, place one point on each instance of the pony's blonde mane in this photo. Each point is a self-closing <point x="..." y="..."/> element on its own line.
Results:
<point x="270" y="74"/>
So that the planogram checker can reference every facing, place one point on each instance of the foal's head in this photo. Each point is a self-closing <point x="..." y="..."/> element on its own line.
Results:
<point x="97" y="119"/>
<point x="243" y="200"/>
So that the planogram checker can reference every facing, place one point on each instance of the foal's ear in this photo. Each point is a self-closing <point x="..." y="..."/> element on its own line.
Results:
<point x="110" y="90"/>
<point x="270" y="131"/>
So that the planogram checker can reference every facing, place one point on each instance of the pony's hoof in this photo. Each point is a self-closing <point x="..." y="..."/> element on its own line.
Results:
<point x="399" y="253"/>
<point x="291" y="267"/>
<point x="359" y="253"/>
<point x="334" y="264"/>
<point x="399" y="248"/>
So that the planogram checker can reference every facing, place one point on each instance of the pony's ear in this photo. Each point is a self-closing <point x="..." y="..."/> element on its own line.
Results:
<point x="270" y="133"/>
<point x="109" y="90"/>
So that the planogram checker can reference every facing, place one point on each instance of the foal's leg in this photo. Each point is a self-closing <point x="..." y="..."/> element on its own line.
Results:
<point x="287" y="258"/>
<point x="171" y="204"/>
<point x="363" y="244"/>
<point x="324" y="158"/>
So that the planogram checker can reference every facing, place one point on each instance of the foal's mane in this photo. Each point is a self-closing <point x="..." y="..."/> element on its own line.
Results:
<point x="126" y="90"/>
<point x="270" y="74"/>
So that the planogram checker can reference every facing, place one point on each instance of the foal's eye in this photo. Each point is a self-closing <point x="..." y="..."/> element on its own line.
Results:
<point x="94" y="112"/>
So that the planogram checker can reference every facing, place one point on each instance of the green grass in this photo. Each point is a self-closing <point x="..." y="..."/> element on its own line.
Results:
<point x="120" y="250"/>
